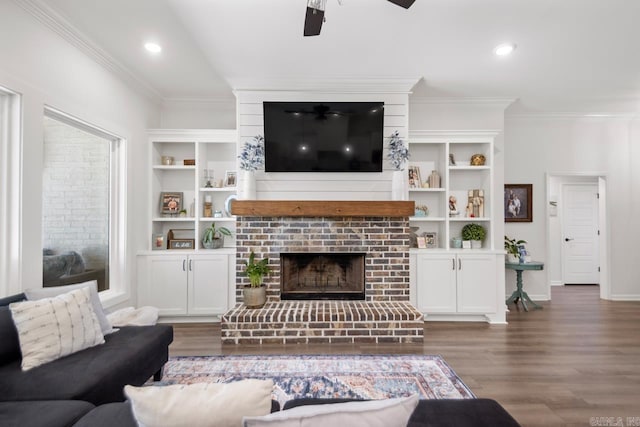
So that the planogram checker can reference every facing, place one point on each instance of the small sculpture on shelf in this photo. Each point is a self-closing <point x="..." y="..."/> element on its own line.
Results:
<point x="453" y="206"/>
<point x="475" y="204"/>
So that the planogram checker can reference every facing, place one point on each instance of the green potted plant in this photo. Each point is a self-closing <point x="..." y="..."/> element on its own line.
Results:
<point x="511" y="246"/>
<point x="213" y="237"/>
<point x="255" y="295"/>
<point x="474" y="232"/>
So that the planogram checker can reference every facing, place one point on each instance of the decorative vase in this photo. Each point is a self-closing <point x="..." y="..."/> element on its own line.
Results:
<point x="254" y="297"/>
<point x="434" y="179"/>
<point x="216" y="243"/>
<point x="476" y="244"/>
<point x="513" y="259"/>
<point x="398" y="186"/>
<point x="249" y="185"/>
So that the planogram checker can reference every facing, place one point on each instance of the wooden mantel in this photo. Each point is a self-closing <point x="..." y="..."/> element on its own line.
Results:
<point x="322" y="208"/>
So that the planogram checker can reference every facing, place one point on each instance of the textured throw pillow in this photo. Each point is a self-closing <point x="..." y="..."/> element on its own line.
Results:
<point x="39" y="293"/>
<point x="51" y="328"/>
<point x="201" y="404"/>
<point x="371" y="413"/>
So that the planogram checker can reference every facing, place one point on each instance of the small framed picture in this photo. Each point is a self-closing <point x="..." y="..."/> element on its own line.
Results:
<point x="518" y="206"/>
<point x="170" y="202"/>
<point x="431" y="238"/>
<point x="414" y="177"/>
<point x="422" y="242"/>
<point x="158" y="242"/>
<point x="230" y="179"/>
<point x="181" y="244"/>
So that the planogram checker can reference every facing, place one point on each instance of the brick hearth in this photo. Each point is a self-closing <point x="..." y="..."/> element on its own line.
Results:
<point x="323" y="322"/>
<point x="384" y="316"/>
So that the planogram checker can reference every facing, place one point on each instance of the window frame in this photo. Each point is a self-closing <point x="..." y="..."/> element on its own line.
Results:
<point x="10" y="191"/>
<point x="118" y="291"/>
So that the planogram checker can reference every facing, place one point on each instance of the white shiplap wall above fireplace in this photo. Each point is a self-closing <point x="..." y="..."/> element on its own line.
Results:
<point x="326" y="186"/>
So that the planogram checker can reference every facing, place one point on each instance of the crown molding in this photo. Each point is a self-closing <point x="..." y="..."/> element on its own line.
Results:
<point x="55" y="22"/>
<point x="398" y="85"/>
<point x="571" y="115"/>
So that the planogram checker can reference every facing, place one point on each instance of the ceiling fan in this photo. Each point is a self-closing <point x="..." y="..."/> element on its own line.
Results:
<point x="315" y="14"/>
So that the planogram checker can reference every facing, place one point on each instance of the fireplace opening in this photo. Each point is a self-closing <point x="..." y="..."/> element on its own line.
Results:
<point x="322" y="276"/>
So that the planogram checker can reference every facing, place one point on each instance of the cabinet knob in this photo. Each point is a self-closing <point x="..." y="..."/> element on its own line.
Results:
<point x="453" y="263"/>
<point x="184" y="262"/>
<point x="190" y="262"/>
<point x="459" y="264"/>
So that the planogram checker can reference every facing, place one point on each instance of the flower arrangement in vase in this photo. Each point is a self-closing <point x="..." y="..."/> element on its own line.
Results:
<point x="251" y="159"/>
<point x="252" y="154"/>
<point x="398" y="156"/>
<point x="398" y="152"/>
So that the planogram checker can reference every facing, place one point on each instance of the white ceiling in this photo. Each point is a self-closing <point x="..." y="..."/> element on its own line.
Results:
<point x="572" y="55"/>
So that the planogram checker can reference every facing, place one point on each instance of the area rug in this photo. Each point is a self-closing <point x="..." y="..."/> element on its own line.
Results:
<point x="327" y="376"/>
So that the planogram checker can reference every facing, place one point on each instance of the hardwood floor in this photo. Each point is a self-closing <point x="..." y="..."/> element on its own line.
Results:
<point x="576" y="359"/>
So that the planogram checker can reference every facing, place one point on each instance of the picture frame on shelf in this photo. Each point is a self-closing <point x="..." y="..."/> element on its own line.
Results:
<point x="518" y="203"/>
<point x="157" y="243"/>
<point x="171" y="202"/>
<point x="431" y="239"/>
<point x="414" y="177"/>
<point x="182" y="244"/>
<point x="230" y="178"/>
<point x="422" y="242"/>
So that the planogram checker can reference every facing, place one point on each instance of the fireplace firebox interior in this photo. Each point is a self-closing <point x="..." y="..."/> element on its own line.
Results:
<point x="322" y="276"/>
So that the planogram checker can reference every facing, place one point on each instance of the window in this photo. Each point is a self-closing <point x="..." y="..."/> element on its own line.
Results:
<point x="82" y="203"/>
<point x="10" y="267"/>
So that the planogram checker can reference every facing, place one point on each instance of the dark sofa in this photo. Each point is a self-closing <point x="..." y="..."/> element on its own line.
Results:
<point x="58" y="393"/>
<point x="428" y="413"/>
<point x="96" y="375"/>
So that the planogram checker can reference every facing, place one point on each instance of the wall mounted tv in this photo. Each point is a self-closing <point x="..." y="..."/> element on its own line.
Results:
<point x="323" y="136"/>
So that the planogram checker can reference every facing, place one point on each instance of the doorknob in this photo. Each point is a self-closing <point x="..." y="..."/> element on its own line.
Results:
<point x="566" y="239"/>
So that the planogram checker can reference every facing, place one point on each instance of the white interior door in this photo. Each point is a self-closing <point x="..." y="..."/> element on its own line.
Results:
<point x="580" y="248"/>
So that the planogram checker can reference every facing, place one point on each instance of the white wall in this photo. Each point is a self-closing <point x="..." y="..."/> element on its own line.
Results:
<point x="321" y="186"/>
<point x="536" y="146"/>
<point x="47" y="70"/>
<point x="198" y="114"/>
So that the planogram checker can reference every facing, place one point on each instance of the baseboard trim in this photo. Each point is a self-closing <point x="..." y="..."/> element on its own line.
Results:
<point x="557" y="283"/>
<point x="623" y="297"/>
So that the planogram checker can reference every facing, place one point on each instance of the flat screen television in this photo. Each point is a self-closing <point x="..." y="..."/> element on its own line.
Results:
<point x="323" y="136"/>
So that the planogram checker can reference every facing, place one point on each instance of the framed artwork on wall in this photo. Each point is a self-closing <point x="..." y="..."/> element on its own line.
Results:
<point x="518" y="205"/>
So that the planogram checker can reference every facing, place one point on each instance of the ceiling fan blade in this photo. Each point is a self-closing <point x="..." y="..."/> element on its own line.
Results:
<point x="313" y="21"/>
<point x="404" y="3"/>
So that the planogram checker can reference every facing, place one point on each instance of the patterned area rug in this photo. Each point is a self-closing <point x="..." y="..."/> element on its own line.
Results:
<point x="349" y="376"/>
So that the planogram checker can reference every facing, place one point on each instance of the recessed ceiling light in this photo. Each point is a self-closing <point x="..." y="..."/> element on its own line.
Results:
<point x="153" y="47"/>
<point x="504" y="49"/>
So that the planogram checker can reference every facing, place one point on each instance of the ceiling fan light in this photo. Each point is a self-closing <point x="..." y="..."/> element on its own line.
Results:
<point x="504" y="49"/>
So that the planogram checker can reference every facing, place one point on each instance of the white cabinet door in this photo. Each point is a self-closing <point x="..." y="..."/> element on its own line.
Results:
<point x="436" y="283"/>
<point x="476" y="283"/>
<point x="208" y="284"/>
<point x="165" y="286"/>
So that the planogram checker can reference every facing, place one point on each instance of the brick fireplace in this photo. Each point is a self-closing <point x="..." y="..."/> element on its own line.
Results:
<point x="319" y="235"/>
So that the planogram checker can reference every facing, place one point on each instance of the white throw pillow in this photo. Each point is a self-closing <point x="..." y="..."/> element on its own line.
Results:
<point x="371" y="413"/>
<point x="201" y="404"/>
<point x="51" y="328"/>
<point x="39" y="293"/>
